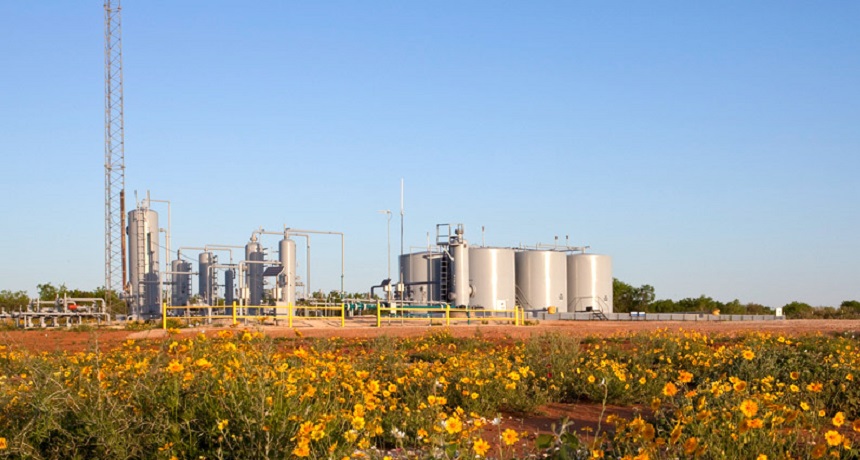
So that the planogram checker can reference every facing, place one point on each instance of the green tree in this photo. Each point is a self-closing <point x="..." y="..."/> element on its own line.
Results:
<point x="733" y="308"/>
<point x="702" y="304"/>
<point x="850" y="307"/>
<point x="10" y="301"/>
<point x="662" y="306"/>
<point x="48" y="291"/>
<point x="627" y="298"/>
<point x="758" y="309"/>
<point x="798" y="310"/>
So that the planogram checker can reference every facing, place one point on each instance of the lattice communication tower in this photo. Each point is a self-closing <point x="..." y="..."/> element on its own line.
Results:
<point x="115" y="266"/>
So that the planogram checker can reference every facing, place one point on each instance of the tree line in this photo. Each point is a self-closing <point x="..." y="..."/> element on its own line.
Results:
<point x="18" y="300"/>
<point x="627" y="298"/>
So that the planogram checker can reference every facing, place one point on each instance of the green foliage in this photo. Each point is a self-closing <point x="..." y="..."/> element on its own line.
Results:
<point x="627" y="298"/>
<point x="850" y="306"/>
<point x="797" y="310"/>
<point x="11" y="301"/>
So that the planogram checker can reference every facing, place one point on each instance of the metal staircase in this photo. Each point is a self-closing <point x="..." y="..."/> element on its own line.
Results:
<point x="598" y="315"/>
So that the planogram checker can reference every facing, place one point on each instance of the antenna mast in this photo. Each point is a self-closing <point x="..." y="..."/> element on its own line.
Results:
<point x="115" y="267"/>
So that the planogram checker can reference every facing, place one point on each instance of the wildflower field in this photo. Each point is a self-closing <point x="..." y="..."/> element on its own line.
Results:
<point x="240" y="394"/>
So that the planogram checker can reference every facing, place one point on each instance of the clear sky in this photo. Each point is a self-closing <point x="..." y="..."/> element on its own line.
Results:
<point x="708" y="147"/>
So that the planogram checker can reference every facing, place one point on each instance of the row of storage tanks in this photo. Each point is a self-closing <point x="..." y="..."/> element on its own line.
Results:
<point x="500" y="278"/>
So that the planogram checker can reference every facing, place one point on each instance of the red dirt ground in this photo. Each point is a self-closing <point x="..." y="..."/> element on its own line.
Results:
<point x="584" y="417"/>
<point x="59" y="340"/>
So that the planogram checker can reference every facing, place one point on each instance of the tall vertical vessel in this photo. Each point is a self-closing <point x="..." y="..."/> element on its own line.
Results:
<point x="458" y="248"/>
<point x="143" y="262"/>
<point x="287" y="278"/>
<point x="492" y="278"/>
<point x="589" y="282"/>
<point x="229" y="276"/>
<point x="180" y="287"/>
<point x="541" y="279"/>
<point x="254" y="255"/>
<point x="207" y="285"/>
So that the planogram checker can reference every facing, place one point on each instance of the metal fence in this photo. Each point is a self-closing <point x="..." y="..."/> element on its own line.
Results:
<point x="236" y="313"/>
<point x="443" y="314"/>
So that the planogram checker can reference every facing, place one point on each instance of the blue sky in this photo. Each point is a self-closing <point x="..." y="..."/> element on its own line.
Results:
<point x="708" y="148"/>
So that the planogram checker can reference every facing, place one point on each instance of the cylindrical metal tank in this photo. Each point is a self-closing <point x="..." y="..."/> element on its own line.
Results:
<point x="143" y="251"/>
<point x="421" y="274"/>
<point x="461" y="290"/>
<point x="492" y="278"/>
<point x="589" y="282"/>
<point x="253" y="254"/>
<point x="229" y="275"/>
<point x="181" y="282"/>
<point x="206" y="285"/>
<point x="287" y="279"/>
<point x="541" y="279"/>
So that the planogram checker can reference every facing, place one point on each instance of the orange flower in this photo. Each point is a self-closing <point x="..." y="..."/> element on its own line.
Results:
<point x="749" y="408"/>
<point x="685" y="377"/>
<point x="670" y="389"/>
<point x="690" y="446"/>
<point x="838" y="419"/>
<point x="856" y="425"/>
<point x="815" y="387"/>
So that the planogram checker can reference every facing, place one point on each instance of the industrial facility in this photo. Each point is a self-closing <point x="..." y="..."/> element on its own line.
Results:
<point x="544" y="277"/>
<point x="264" y="281"/>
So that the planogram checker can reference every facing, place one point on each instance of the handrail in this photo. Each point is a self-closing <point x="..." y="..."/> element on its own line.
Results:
<point x="235" y="316"/>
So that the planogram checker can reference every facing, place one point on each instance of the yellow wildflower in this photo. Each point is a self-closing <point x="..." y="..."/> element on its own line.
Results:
<point x="480" y="447"/>
<point x="453" y="425"/>
<point x="175" y="367"/>
<point x="509" y="437"/>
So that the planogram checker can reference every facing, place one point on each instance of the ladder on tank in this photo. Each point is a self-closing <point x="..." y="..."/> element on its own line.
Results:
<point x="443" y="277"/>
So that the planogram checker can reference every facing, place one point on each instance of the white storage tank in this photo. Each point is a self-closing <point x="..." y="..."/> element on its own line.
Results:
<point x="589" y="282"/>
<point x="421" y="273"/>
<point x="492" y="278"/>
<point x="541" y="277"/>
